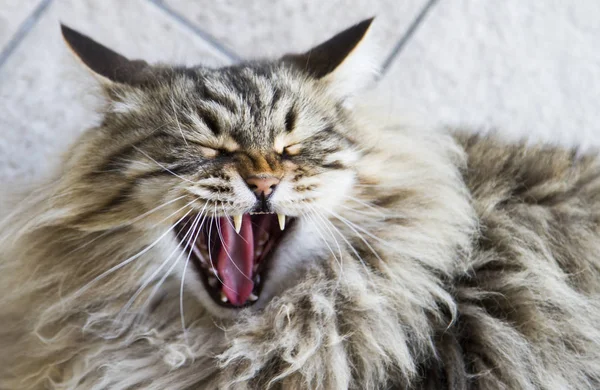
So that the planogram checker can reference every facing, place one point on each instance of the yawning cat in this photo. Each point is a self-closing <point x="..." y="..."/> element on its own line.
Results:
<point x="257" y="226"/>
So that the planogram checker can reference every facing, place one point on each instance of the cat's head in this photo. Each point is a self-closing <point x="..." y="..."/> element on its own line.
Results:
<point x="239" y="163"/>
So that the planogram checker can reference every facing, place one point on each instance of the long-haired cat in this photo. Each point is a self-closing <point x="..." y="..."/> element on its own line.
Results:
<point x="255" y="227"/>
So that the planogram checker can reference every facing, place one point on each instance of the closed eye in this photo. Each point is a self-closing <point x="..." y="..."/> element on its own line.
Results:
<point x="208" y="152"/>
<point x="213" y="148"/>
<point x="292" y="150"/>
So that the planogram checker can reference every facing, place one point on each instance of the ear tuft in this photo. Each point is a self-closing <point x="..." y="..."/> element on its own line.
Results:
<point x="102" y="60"/>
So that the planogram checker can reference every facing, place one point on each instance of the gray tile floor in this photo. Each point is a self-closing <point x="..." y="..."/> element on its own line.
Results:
<point x="528" y="69"/>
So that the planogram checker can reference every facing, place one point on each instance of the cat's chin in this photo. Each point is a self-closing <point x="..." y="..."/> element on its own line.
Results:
<point x="281" y="268"/>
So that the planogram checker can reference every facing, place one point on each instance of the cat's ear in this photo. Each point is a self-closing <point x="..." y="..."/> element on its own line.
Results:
<point x="104" y="62"/>
<point x="347" y="61"/>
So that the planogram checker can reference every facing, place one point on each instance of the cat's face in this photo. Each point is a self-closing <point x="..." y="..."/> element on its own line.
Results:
<point x="254" y="150"/>
<point x="251" y="160"/>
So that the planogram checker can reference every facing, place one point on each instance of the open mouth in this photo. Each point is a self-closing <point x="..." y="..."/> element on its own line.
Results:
<point x="231" y="254"/>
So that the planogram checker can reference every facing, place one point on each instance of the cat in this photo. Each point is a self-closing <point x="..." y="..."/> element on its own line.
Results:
<point x="259" y="226"/>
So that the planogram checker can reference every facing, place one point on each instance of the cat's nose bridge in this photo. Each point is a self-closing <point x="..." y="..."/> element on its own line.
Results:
<point x="262" y="172"/>
<point x="259" y="164"/>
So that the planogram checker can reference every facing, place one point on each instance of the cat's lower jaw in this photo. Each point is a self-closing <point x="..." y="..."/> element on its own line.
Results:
<point x="280" y="262"/>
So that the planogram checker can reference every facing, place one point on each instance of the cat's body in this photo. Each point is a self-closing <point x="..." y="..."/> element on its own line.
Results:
<point x="446" y="261"/>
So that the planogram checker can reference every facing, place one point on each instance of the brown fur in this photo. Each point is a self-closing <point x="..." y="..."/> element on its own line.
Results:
<point x="420" y="259"/>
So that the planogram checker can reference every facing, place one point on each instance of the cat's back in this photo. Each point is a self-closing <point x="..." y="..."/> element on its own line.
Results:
<point x="528" y="302"/>
<point x="538" y="201"/>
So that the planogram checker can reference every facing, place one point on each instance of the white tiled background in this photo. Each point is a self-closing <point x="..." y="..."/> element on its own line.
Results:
<point x="528" y="69"/>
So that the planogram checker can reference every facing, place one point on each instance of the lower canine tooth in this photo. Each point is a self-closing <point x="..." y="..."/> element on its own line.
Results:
<point x="281" y="219"/>
<point x="223" y="297"/>
<point x="253" y="297"/>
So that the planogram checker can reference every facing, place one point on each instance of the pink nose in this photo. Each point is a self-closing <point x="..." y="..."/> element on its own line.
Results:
<point x="262" y="184"/>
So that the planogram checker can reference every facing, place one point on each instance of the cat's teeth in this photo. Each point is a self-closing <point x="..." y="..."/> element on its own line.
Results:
<point x="255" y="268"/>
<point x="257" y="277"/>
<point x="262" y="240"/>
<point x="253" y="297"/>
<point x="281" y="219"/>
<point x="224" y="298"/>
<point x="237" y="222"/>
<point x="258" y="252"/>
<point x="212" y="281"/>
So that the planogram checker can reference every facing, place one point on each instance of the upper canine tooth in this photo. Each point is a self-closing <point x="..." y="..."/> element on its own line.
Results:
<point x="281" y="219"/>
<point x="253" y="297"/>
<point x="237" y="223"/>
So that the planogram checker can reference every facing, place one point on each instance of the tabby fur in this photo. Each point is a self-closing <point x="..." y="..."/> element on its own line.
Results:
<point x="467" y="262"/>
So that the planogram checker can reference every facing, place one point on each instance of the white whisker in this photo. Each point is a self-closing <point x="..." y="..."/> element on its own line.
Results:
<point x="147" y="282"/>
<point x="316" y="225"/>
<point x="351" y="224"/>
<point x="360" y="236"/>
<point x="377" y="209"/>
<point x="177" y="120"/>
<point x="136" y="219"/>
<point x="185" y="266"/>
<point x="162" y="166"/>
<point x="358" y="256"/>
<point x="362" y="212"/>
<point x="153" y="275"/>
<point x="134" y="257"/>
<point x="332" y="236"/>
<point x="188" y="245"/>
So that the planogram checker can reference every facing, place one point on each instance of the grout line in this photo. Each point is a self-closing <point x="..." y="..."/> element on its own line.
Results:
<point x="198" y="31"/>
<point x="23" y="30"/>
<point x="406" y="36"/>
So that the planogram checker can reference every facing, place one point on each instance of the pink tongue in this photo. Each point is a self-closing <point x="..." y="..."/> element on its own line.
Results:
<point x="236" y="259"/>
